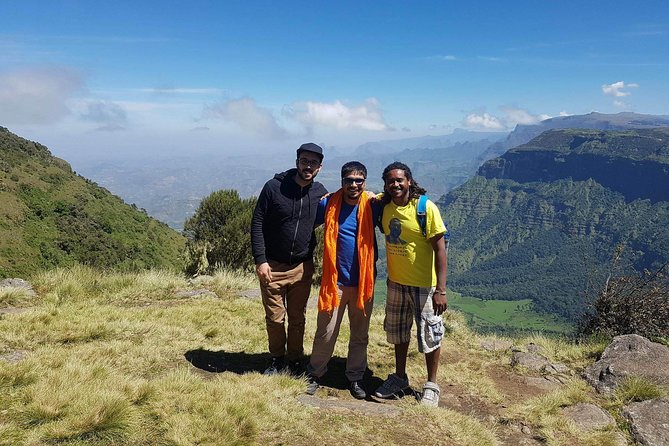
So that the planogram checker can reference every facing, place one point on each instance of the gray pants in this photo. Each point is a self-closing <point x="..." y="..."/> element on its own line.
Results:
<point x="327" y="331"/>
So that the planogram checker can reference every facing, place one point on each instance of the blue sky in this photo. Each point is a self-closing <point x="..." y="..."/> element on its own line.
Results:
<point x="102" y="78"/>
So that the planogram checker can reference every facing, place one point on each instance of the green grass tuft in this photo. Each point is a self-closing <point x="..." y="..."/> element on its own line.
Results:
<point x="635" y="388"/>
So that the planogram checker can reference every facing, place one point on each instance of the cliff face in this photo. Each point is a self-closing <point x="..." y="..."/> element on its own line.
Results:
<point x="634" y="163"/>
<point x="542" y="221"/>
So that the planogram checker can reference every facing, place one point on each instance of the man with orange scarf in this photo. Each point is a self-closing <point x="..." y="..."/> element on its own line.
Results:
<point x="349" y="256"/>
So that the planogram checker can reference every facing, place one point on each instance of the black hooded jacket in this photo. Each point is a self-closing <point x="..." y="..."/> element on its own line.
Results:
<point x="282" y="228"/>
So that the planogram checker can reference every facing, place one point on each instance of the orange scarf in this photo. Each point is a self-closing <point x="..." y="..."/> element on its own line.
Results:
<point x="328" y="297"/>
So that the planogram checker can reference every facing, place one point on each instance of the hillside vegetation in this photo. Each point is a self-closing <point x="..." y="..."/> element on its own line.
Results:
<point x="531" y="227"/>
<point x="50" y="217"/>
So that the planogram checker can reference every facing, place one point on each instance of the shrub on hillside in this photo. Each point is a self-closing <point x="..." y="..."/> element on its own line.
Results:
<point x="219" y="233"/>
<point x="631" y="304"/>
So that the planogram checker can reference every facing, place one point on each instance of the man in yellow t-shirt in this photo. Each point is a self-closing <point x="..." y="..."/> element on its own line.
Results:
<point x="417" y="269"/>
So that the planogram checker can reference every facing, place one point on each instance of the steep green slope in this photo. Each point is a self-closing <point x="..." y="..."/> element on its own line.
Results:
<point x="529" y="227"/>
<point x="49" y="216"/>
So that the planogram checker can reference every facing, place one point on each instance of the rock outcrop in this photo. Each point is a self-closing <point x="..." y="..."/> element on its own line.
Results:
<point x="649" y="421"/>
<point x="20" y="284"/>
<point x="629" y="355"/>
<point x="588" y="417"/>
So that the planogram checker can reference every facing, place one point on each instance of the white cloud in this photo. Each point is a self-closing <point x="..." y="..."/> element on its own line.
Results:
<point x="175" y="91"/>
<point x="248" y="116"/>
<point x="483" y="121"/>
<point x="446" y="57"/>
<point x="37" y="96"/>
<point x="490" y="59"/>
<point x="512" y="117"/>
<point x="564" y="113"/>
<point x="516" y="116"/>
<point x="109" y="115"/>
<point x="366" y="116"/>
<point x="615" y="89"/>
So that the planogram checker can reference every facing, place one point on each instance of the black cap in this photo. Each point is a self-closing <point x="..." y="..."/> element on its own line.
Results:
<point x="311" y="147"/>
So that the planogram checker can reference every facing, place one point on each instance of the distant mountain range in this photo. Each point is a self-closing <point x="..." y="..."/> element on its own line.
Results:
<point x="50" y="216"/>
<point x="597" y="121"/>
<point x="543" y="220"/>
<point x="171" y="189"/>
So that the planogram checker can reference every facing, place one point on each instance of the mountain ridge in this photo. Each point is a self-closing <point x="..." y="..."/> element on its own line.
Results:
<point x="633" y="162"/>
<point x="524" y="229"/>
<point x="523" y="133"/>
<point x="50" y="216"/>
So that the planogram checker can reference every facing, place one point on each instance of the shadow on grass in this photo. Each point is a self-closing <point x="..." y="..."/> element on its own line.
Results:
<point x="222" y="361"/>
<point x="241" y="362"/>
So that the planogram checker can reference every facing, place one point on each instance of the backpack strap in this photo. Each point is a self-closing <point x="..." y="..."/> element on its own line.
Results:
<point x="421" y="214"/>
<point x="377" y="212"/>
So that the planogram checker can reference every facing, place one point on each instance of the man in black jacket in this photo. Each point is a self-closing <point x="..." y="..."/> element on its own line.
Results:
<point x="283" y="242"/>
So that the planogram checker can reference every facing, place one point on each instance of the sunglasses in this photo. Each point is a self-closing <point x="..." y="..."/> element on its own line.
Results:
<point x="308" y="163"/>
<point x="348" y="181"/>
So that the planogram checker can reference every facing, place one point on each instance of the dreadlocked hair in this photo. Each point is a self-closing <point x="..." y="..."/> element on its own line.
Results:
<point x="415" y="191"/>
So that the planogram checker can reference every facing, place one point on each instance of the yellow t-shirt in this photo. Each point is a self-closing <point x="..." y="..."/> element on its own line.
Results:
<point x="410" y="254"/>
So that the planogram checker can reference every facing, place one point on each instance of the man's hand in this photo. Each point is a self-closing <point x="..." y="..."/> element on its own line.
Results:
<point x="439" y="301"/>
<point x="264" y="273"/>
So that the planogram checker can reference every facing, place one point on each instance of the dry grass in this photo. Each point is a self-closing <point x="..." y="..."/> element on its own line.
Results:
<point x="14" y="297"/>
<point x="544" y="416"/>
<point x="561" y="350"/>
<point x="106" y="365"/>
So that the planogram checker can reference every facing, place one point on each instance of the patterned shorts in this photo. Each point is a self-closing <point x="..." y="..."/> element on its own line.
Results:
<point x="405" y="304"/>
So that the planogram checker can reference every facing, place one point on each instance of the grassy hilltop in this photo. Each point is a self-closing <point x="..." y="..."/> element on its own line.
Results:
<point x="149" y="359"/>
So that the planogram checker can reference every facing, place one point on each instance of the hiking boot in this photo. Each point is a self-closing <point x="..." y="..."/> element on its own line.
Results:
<point x="276" y="367"/>
<point x="393" y="386"/>
<point x="430" y="396"/>
<point x="357" y="391"/>
<point x="296" y="368"/>
<point x="312" y="384"/>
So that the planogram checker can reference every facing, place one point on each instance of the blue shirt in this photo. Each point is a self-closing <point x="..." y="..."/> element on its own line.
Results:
<point x="348" y="269"/>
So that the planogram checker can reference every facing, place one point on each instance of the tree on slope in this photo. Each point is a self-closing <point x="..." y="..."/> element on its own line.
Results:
<point x="219" y="233"/>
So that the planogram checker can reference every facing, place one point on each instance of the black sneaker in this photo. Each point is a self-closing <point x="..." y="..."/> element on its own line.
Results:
<point x="357" y="391"/>
<point x="276" y="367"/>
<point x="296" y="368"/>
<point x="312" y="384"/>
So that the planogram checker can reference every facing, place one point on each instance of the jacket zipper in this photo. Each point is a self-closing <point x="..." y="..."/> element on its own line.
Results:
<point x="297" y="226"/>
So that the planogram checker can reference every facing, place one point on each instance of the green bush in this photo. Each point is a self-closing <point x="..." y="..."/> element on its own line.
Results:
<point x="219" y="233"/>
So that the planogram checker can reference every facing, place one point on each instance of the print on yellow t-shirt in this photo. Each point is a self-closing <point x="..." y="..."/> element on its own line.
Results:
<point x="410" y="254"/>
